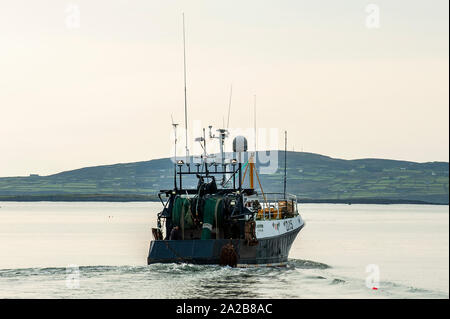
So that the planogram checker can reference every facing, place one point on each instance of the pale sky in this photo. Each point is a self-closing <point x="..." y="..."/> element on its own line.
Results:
<point x="101" y="89"/>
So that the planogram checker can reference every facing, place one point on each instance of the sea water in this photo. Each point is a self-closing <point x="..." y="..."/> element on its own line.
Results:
<point x="99" y="250"/>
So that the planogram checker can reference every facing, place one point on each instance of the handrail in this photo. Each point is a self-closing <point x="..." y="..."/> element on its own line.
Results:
<point x="271" y="204"/>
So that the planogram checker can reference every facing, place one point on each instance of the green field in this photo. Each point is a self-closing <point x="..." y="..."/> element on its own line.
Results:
<point x="310" y="176"/>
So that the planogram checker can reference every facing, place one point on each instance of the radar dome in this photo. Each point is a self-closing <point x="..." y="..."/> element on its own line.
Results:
<point x="239" y="144"/>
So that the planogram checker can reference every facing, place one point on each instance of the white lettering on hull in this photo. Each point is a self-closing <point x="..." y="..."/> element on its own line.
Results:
<point x="277" y="227"/>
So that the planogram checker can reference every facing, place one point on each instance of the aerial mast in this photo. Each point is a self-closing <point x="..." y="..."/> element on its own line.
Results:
<point x="285" y="160"/>
<point x="254" y="115"/>
<point x="185" y="94"/>
<point x="252" y="160"/>
<point x="229" y="105"/>
<point x="223" y="134"/>
<point x="174" y="125"/>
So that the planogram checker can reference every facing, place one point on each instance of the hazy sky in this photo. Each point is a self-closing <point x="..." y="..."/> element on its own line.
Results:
<point x="86" y="83"/>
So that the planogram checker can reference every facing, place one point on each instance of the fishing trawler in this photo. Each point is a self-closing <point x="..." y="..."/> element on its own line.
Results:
<point x="220" y="221"/>
<point x="224" y="223"/>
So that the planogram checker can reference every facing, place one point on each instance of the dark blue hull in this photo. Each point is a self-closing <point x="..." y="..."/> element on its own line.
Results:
<point x="268" y="251"/>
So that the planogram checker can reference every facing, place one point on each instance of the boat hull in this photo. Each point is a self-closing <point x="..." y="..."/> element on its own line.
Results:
<point x="270" y="251"/>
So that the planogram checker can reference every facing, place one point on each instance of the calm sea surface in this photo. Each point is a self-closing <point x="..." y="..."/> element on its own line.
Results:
<point x="99" y="250"/>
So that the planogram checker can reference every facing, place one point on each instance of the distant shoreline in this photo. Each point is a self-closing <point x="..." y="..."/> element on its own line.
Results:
<point x="313" y="177"/>
<point x="154" y="198"/>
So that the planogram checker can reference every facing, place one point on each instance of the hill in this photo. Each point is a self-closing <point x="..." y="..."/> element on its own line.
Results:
<point x="312" y="177"/>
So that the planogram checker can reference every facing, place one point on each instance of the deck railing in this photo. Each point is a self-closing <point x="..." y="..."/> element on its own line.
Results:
<point x="272" y="205"/>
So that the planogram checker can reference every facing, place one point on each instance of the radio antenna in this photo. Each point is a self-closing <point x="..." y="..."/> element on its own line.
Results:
<point x="229" y="106"/>
<point x="185" y="94"/>
<point x="254" y="114"/>
<point x="285" y="162"/>
<point x="174" y="125"/>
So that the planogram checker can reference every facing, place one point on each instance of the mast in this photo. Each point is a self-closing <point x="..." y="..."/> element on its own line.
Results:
<point x="185" y="94"/>
<point x="229" y="106"/>
<point x="285" y="159"/>
<point x="174" y="125"/>
<point x="254" y="115"/>
<point x="252" y="160"/>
